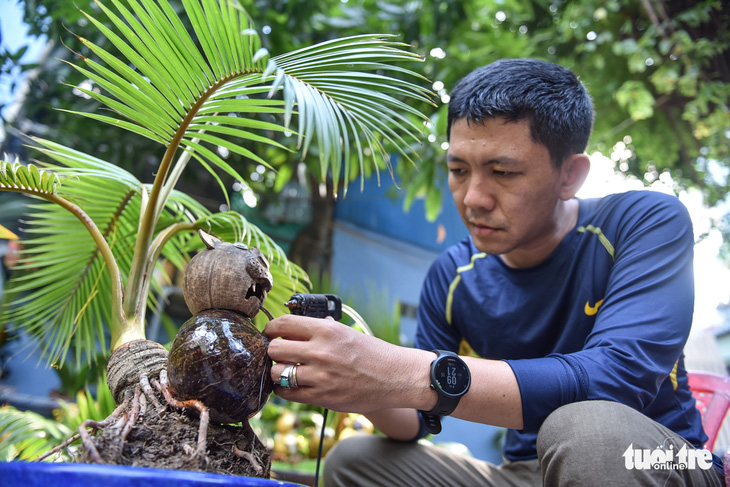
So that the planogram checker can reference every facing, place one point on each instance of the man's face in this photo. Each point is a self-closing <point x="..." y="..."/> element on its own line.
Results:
<point x="506" y="189"/>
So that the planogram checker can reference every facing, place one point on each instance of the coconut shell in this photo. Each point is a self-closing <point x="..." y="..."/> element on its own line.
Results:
<point x="219" y="358"/>
<point x="227" y="276"/>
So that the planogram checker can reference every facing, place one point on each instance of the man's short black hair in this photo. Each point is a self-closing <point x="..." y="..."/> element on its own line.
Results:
<point x="551" y="97"/>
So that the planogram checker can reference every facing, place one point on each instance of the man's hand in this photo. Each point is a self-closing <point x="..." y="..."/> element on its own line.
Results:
<point x="345" y="370"/>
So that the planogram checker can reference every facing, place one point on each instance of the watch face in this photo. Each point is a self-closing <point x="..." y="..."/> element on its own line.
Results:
<point x="452" y="375"/>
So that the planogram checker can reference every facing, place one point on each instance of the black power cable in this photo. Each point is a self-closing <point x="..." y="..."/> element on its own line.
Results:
<point x="317" y="306"/>
<point x="319" y="448"/>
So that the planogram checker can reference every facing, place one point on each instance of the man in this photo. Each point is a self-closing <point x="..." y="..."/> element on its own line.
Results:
<point x="579" y="310"/>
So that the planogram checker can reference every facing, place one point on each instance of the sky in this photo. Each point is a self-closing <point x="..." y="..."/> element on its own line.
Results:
<point x="13" y="36"/>
<point x="712" y="277"/>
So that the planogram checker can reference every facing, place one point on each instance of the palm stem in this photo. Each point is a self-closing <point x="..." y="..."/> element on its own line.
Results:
<point x="174" y="177"/>
<point x="155" y="250"/>
<point x="119" y="325"/>
<point x="137" y="275"/>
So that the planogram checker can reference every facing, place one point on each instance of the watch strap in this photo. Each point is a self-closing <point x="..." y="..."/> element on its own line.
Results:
<point x="432" y="422"/>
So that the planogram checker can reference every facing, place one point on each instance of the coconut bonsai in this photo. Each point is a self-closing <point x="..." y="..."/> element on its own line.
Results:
<point x="95" y="242"/>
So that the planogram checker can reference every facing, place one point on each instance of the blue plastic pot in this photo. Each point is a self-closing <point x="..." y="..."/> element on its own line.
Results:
<point x="25" y="474"/>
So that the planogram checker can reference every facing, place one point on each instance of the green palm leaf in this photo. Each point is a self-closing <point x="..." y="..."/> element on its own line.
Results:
<point x="24" y="435"/>
<point x="46" y="259"/>
<point x="340" y="88"/>
<point x="62" y="288"/>
<point x="61" y="296"/>
<point x="27" y="179"/>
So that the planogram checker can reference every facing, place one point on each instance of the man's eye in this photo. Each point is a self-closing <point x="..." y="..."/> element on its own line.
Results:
<point x="504" y="173"/>
<point x="456" y="171"/>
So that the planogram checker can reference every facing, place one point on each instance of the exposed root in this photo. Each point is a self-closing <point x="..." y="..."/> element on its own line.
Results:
<point x="58" y="448"/>
<point x="203" y="412"/>
<point x="171" y="438"/>
<point x="132" y="418"/>
<point x="249" y="456"/>
<point x="91" y="450"/>
<point x="147" y="389"/>
<point x="142" y="405"/>
<point x="83" y="433"/>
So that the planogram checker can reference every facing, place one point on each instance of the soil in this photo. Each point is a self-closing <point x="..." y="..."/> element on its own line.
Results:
<point x="168" y="440"/>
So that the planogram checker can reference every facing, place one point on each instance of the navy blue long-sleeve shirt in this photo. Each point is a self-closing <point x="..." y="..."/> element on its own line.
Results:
<point x="605" y="316"/>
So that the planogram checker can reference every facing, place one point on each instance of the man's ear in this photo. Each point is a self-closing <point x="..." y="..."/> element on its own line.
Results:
<point x="574" y="170"/>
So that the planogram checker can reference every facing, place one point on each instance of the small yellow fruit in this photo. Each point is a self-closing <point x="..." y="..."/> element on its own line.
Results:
<point x="286" y="421"/>
<point x="363" y="424"/>
<point x="280" y="447"/>
<point x="329" y="441"/>
<point x="346" y="433"/>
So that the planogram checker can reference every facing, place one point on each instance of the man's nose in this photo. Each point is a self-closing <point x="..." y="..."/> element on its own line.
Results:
<point x="479" y="195"/>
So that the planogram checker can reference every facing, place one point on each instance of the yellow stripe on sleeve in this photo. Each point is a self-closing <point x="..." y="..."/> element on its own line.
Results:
<point x="601" y="238"/>
<point x="673" y="375"/>
<point x="455" y="283"/>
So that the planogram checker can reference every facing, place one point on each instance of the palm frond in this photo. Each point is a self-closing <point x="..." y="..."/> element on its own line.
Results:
<point x="340" y="88"/>
<point x="25" y="435"/>
<point x="17" y="177"/>
<point x="61" y="292"/>
<point x="350" y="97"/>
<point x="168" y="72"/>
<point x="70" y="163"/>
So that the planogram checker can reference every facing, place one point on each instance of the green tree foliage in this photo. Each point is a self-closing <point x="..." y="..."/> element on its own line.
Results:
<point x="657" y="69"/>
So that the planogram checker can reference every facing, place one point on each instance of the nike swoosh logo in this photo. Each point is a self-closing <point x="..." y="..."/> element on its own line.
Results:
<point x="592" y="310"/>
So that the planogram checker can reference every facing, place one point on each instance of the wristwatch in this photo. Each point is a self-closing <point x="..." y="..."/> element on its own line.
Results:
<point x="450" y="378"/>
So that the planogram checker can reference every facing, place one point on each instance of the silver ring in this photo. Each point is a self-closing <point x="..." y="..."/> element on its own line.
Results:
<point x="293" y="377"/>
<point x="288" y="377"/>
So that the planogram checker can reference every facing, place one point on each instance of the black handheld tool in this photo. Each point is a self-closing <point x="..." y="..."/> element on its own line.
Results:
<point x="316" y="305"/>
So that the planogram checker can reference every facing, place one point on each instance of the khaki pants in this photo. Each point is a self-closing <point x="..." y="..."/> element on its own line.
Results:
<point x="581" y="444"/>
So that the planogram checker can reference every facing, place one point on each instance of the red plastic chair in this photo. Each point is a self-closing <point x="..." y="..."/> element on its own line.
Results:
<point x="712" y="393"/>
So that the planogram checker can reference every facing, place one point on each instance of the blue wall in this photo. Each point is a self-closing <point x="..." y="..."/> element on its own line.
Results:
<point x="373" y="209"/>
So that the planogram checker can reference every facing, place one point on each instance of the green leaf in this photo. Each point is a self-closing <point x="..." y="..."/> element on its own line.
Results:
<point x="433" y="202"/>
<point x="27" y="179"/>
<point x="25" y="435"/>
<point x="65" y="301"/>
<point x="637" y="99"/>
<point x="328" y="84"/>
